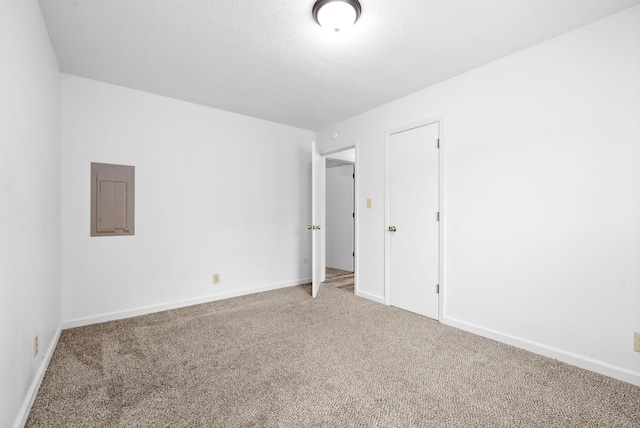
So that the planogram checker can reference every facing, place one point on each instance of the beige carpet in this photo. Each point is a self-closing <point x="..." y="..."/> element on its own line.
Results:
<point x="283" y="359"/>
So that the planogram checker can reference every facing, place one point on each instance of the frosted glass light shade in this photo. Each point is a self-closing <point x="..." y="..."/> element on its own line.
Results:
<point x="336" y="15"/>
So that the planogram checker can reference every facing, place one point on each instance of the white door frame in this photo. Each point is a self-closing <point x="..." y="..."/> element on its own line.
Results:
<point x="387" y="209"/>
<point x="350" y="144"/>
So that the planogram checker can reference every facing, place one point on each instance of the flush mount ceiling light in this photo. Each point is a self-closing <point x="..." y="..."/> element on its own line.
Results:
<point x="336" y="15"/>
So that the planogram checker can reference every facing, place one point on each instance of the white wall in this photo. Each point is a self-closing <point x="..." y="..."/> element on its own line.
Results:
<point x="29" y="204"/>
<point x="216" y="192"/>
<point x="541" y="203"/>
<point x="339" y="217"/>
<point x="348" y="155"/>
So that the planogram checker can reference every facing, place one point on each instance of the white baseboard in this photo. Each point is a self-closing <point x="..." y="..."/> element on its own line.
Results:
<point x="23" y="414"/>
<point x="550" y="352"/>
<point x="128" y="313"/>
<point x="370" y="296"/>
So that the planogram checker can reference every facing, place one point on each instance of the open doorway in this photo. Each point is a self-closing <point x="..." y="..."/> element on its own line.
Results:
<point x="340" y="219"/>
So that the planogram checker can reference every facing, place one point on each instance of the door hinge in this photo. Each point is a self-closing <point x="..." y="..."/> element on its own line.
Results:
<point x="438" y="216"/>
<point x="354" y="254"/>
<point x="437" y="288"/>
<point x="354" y="215"/>
<point x="354" y="174"/>
<point x="438" y="143"/>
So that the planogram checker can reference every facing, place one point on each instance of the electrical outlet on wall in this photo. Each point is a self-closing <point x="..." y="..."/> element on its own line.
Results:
<point x="216" y="278"/>
<point x="636" y="341"/>
<point x="35" y="346"/>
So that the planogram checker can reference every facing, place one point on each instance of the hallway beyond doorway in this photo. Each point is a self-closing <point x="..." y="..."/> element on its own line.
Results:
<point x="339" y="278"/>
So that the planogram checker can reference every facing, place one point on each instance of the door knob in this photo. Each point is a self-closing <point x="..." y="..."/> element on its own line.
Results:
<point x="309" y="227"/>
<point x="392" y="229"/>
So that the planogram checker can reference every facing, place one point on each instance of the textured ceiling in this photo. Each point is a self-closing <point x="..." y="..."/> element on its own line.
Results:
<point x="268" y="59"/>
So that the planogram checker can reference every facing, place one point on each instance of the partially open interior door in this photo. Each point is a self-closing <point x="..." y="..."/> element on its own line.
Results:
<point x="317" y="221"/>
